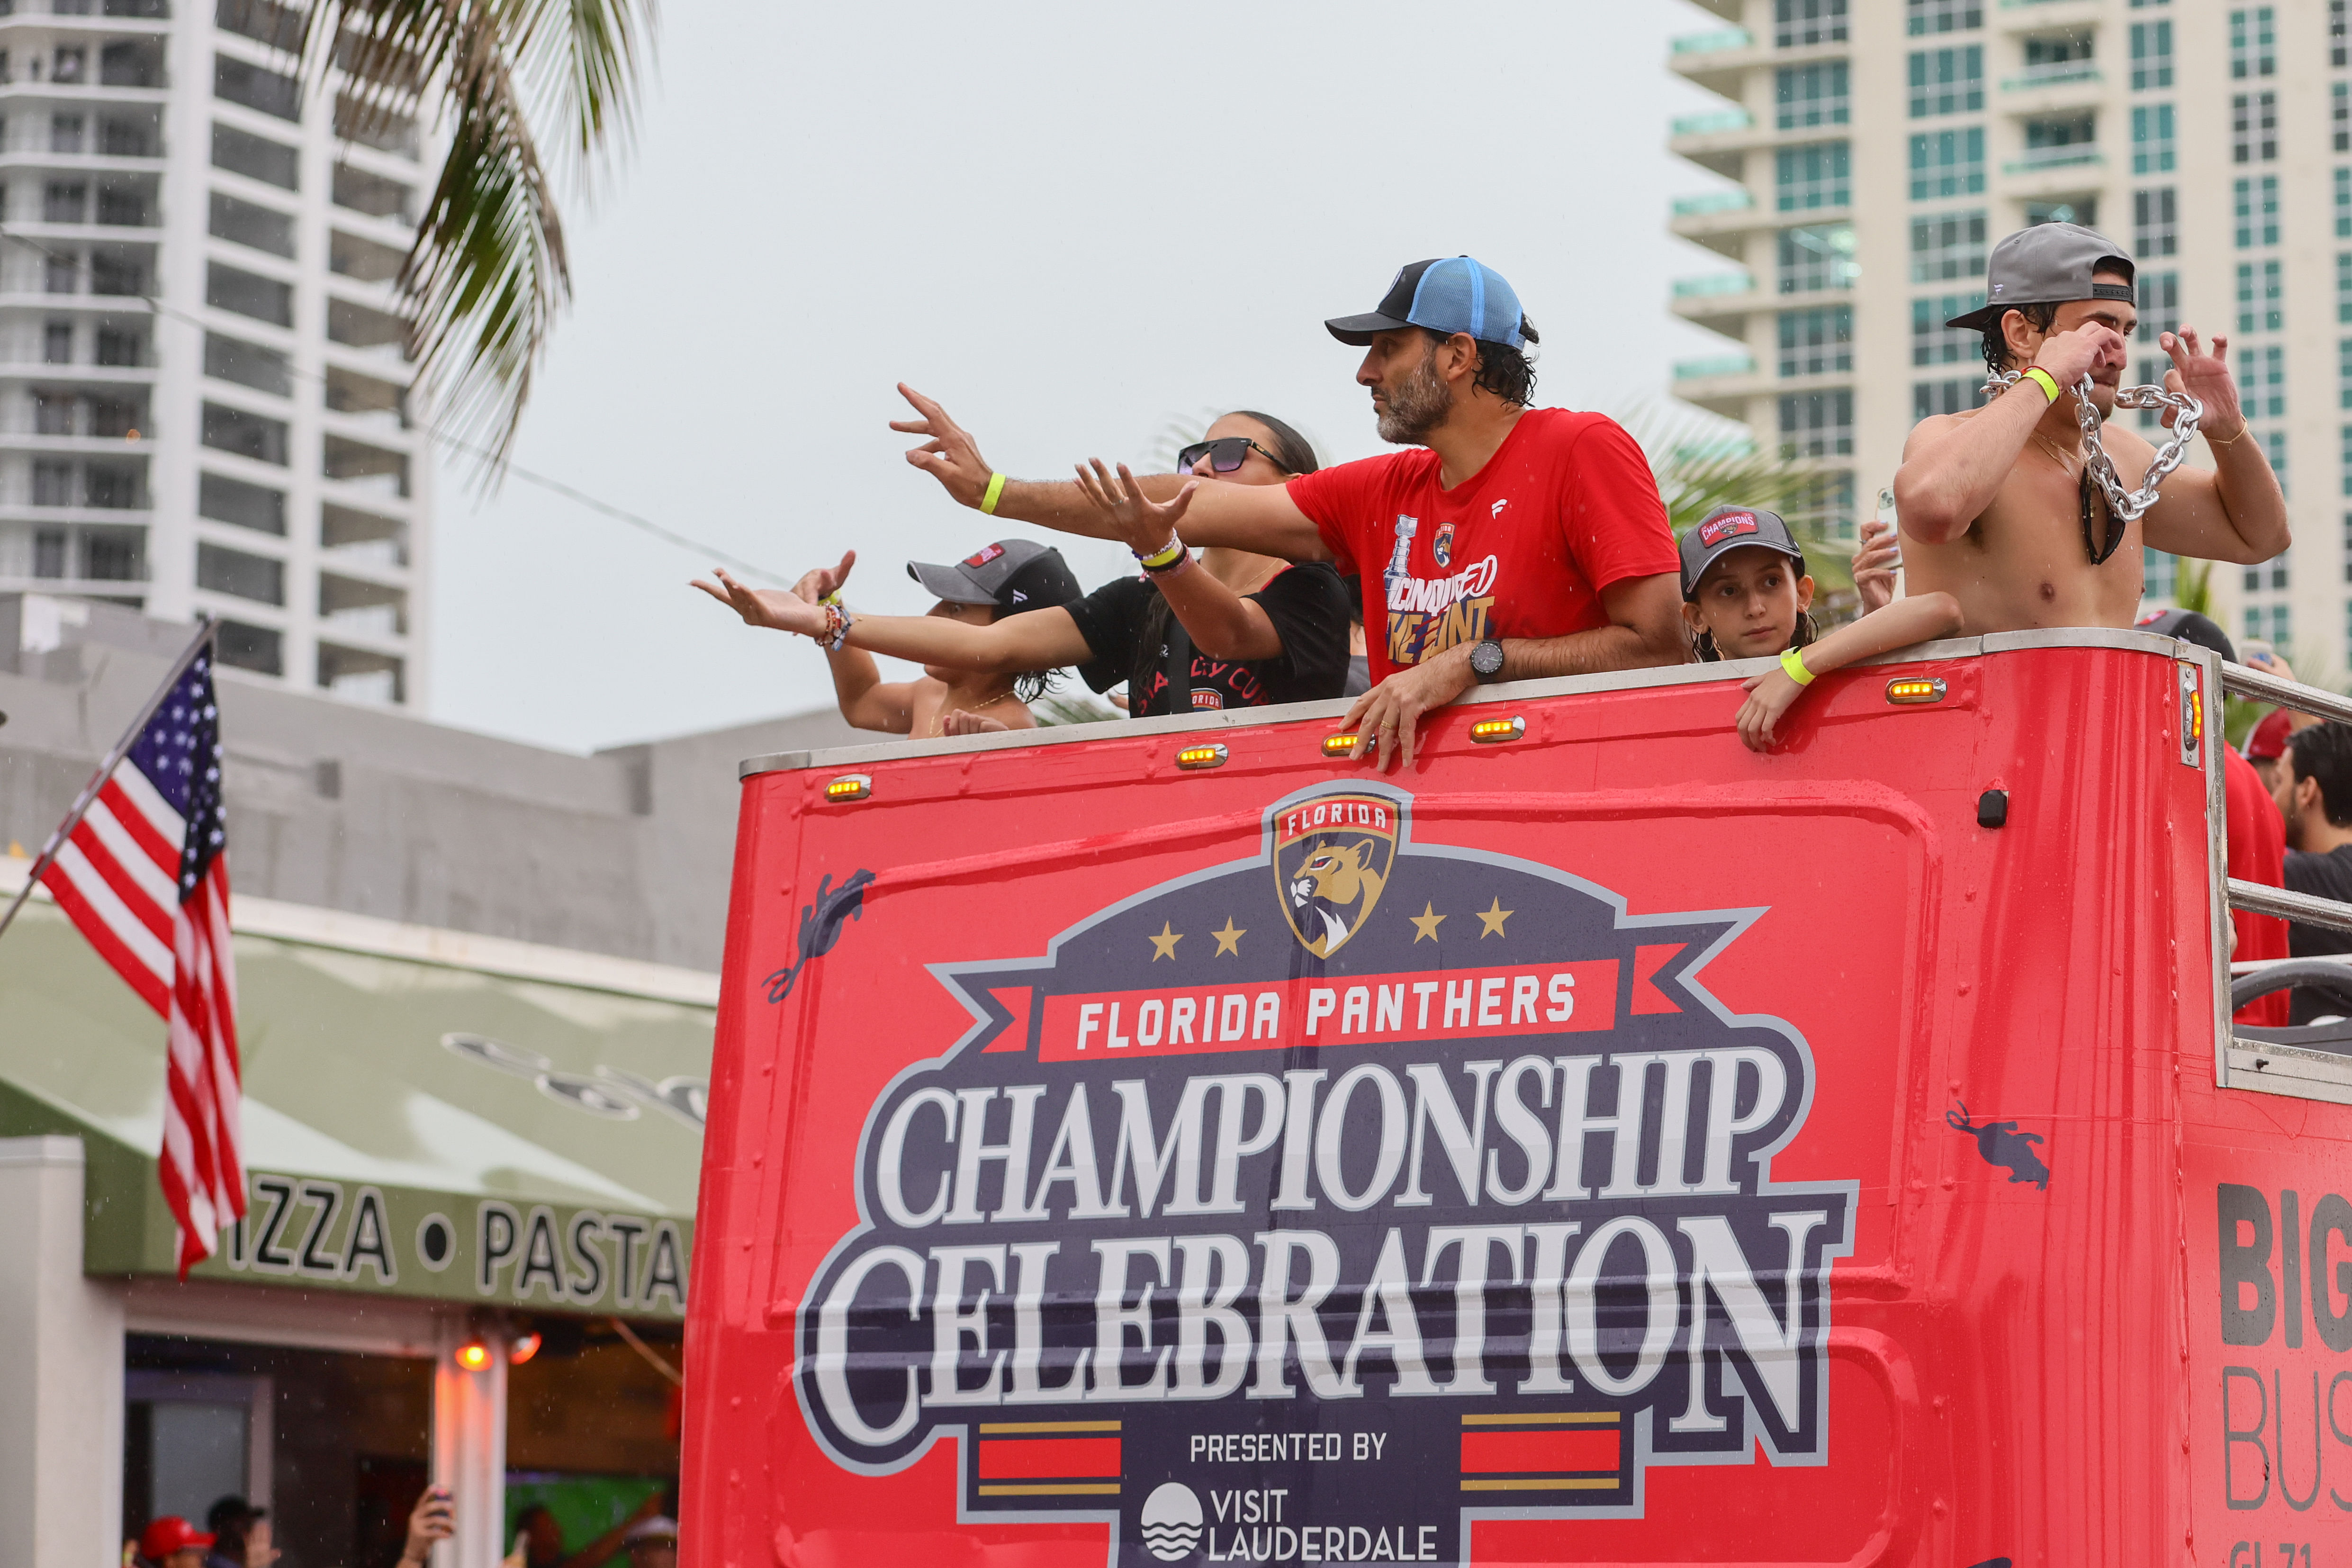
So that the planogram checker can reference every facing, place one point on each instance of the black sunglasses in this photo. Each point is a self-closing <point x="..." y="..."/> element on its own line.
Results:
<point x="1225" y="454"/>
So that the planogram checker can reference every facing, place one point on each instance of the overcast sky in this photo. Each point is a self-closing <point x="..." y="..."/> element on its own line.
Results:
<point x="1071" y="223"/>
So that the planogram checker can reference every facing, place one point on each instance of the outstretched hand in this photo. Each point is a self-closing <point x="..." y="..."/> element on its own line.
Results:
<point x="2207" y="378"/>
<point x="820" y="583"/>
<point x="951" y="456"/>
<point x="1145" y="524"/>
<point x="772" y="608"/>
<point x="1875" y="564"/>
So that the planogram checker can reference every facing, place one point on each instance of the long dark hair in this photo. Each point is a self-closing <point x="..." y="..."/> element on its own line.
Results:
<point x="1293" y="452"/>
<point x="1704" y="651"/>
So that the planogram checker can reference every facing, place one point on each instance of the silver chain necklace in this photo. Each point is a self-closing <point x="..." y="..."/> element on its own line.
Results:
<point x="2125" y="506"/>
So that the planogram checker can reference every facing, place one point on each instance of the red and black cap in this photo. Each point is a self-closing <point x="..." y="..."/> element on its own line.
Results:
<point x="1730" y="528"/>
<point x="1013" y="574"/>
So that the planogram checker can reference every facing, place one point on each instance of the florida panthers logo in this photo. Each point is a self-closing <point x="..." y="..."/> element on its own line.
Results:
<point x="1332" y="856"/>
<point x="1440" y="546"/>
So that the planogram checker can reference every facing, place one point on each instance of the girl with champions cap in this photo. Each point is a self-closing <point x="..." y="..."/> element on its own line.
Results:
<point x="1746" y="595"/>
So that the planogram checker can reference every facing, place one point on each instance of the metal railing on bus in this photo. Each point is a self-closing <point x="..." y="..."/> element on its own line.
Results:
<point x="2254" y="896"/>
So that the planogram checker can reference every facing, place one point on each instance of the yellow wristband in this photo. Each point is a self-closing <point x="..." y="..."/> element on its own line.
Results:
<point x="1167" y="555"/>
<point x="1793" y="661"/>
<point x="2041" y="378"/>
<point x="996" y="491"/>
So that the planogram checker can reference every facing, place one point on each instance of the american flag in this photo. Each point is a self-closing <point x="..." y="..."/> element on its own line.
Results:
<point x="144" y="874"/>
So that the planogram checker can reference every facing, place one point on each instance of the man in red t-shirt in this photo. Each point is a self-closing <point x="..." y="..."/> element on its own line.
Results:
<point x="1512" y="542"/>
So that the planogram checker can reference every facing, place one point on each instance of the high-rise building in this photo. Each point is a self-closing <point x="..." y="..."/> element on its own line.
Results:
<point x="1880" y="147"/>
<point x="204" y="405"/>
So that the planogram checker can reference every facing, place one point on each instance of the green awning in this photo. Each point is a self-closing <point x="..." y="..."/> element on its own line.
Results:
<point x="411" y="1127"/>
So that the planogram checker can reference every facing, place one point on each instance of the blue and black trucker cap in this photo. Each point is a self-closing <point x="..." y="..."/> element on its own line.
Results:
<point x="1446" y="294"/>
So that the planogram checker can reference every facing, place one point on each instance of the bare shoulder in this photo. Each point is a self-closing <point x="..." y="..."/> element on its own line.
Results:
<point x="2121" y="441"/>
<point x="1934" y="427"/>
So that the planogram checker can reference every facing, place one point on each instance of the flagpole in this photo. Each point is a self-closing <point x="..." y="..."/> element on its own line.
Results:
<point x="204" y="631"/>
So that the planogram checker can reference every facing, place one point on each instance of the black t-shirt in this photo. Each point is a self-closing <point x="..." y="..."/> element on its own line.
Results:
<point x="2325" y="876"/>
<point x="1306" y="602"/>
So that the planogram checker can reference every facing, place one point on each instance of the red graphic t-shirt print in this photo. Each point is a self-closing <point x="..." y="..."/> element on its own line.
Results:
<point x="1565" y="508"/>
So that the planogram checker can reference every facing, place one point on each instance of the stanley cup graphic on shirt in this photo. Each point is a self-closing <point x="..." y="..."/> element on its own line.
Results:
<point x="1400" y="567"/>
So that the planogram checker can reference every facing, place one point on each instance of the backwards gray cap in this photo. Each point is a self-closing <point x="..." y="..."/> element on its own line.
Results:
<point x="2046" y="265"/>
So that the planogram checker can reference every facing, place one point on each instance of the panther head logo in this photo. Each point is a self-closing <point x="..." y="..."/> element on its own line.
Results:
<point x="1332" y="859"/>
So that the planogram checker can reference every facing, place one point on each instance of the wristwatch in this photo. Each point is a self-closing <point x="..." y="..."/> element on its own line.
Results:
<point x="1486" y="662"/>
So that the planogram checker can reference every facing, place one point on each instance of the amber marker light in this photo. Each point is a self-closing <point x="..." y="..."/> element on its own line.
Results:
<point x="1340" y="745"/>
<point x="1494" y="732"/>
<point x="1913" y="689"/>
<point x="474" y="1356"/>
<point x="524" y="1347"/>
<point x="849" y="786"/>
<point x="1210" y="755"/>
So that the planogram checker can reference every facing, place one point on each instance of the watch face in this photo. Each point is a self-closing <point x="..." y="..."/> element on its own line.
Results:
<point x="1486" y="658"/>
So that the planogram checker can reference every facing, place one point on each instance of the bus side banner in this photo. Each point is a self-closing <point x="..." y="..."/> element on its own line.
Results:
<point x="1253" y="1221"/>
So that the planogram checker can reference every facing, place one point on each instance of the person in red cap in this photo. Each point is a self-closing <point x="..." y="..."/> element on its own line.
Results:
<point x="171" y="1541"/>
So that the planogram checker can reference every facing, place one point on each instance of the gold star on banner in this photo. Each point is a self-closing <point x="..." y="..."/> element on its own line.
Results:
<point x="1164" y="944"/>
<point x="1230" y="939"/>
<point x="1494" y="916"/>
<point x="1425" y="924"/>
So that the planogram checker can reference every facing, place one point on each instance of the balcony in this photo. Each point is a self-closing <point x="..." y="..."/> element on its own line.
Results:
<point x="1714" y="42"/>
<point x="2046" y="16"/>
<point x="1714" y="368"/>
<point x="2057" y="73"/>
<point x="1711" y="284"/>
<point x="1711" y="123"/>
<point x="2047" y="159"/>
<point x="1714" y="202"/>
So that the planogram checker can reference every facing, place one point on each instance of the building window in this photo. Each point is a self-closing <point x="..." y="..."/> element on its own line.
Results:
<point x="1947" y="81"/>
<point x="2343" y="204"/>
<point x="2155" y="228"/>
<point x="1932" y="397"/>
<point x="2335" y="33"/>
<point x="2084" y="210"/>
<point x="2151" y="54"/>
<point x="257" y="648"/>
<point x="256" y="506"/>
<point x="1933" y="17"/>
<point x="1811" y="95"/>
<point x="1948" y="247"/>
<point x="2344" y="374"/>
<point x="2275" y="448"/>
<point x="248" y="364"/>
<point x="2340" y="117"/>
<point x="1817" y="342"/>
<point x="1818" y="257"/>
<point x="257" y="88"/>
<point x="1817" y="424"/>
<point x="2253" y="127"/>
<point x="247" y="577"/>
<point x="1812" y="177"/>
<point x="1932" y="342"/>
<point x="2162" y="574"/>
<point x="251" y="436"/>
<point x="2343" y="286"/>
<point x="2258" y="213"/>
<point x="2270" y="623"/>
<point x="256" y="157"/>
<point x="2151" y="138"/>
<point x="1796" y="23"/>
<point x="1947" y="163"/>
<point x="2261" y="381"/>
<point x="248" y="294"/>
<point x="2253" y="51"/>
<point x="2260" y="305"/>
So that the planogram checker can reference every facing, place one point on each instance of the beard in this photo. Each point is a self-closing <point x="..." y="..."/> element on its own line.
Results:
<point x="1417" y="406"/>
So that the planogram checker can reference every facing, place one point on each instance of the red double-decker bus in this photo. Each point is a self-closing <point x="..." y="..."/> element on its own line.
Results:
<point x="1173" y="1142"/>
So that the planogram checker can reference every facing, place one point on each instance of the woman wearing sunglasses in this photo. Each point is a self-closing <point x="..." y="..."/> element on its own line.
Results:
<point x="1229" y="630"/>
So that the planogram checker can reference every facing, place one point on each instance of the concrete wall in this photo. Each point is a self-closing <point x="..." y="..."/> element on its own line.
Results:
<point x="61" y="1380"/>
<point x="348" y="807"/>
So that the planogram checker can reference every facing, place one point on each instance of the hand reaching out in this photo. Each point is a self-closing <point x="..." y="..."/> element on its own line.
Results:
<point x="2207" y="378"/>
<point x="818" y="581"/>
<point x="1875" y="564"/>
<point x="951" y="456"/>
<point x="772" y="607"/>
<point x="1145" y="524"/>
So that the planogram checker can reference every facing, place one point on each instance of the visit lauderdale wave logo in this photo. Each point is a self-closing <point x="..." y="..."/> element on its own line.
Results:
<point x="1172" y="1522"/>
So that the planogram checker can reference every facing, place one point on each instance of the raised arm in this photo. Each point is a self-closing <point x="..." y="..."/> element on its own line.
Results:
<point x="1645" y="629"/>
<point x="1221" y="623"/>
<point x="2234" y="511"/>
<point x="1256" y="518"/>
<point x="1036" y="639"/>
<point x="1953" y="466"/>
<point x="1898" y="625"/>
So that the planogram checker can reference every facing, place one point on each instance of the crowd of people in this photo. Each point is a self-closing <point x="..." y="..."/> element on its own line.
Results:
<point x="238" y="1534"/>
<point x="1507" y="540"/>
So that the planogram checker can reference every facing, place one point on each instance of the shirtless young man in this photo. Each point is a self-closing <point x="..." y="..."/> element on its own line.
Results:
<point x="1992" y="500"/>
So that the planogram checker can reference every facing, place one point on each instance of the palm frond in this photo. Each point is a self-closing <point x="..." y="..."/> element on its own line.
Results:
<point x="489" y="272"/>
<point x="1701" y="463"/>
